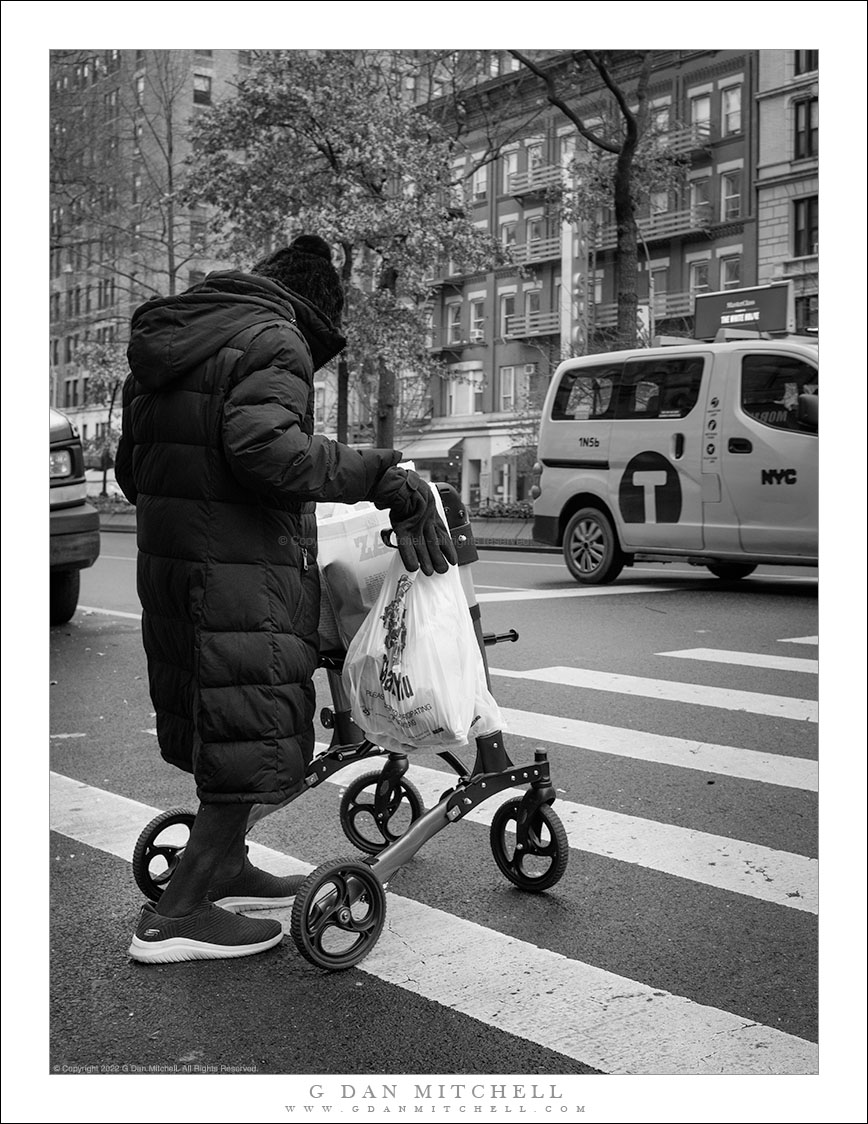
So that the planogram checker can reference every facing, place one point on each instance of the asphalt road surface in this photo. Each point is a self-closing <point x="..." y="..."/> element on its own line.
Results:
<point x="680" y="718"/>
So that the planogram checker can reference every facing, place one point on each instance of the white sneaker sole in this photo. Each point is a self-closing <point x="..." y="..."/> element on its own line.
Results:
<point x="176" y="949"/>
<point x="240" y="904"/>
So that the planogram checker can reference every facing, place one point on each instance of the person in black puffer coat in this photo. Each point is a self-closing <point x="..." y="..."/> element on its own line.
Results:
<point x="219" y="456"/>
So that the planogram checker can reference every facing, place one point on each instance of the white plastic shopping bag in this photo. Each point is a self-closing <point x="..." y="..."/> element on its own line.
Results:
<point x="353" y="561"/>
<point x="413" y="671"/>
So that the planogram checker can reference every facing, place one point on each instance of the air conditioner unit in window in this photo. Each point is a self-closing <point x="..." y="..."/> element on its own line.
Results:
<point x="530" y="368"/>
<point x="476" y="334"/>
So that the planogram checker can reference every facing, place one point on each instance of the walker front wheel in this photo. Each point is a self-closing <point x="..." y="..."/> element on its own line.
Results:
<point x="159" y="849"/>
<point x="338" y="914"/>
<point x="376" y="810"/>
<point x="531" y="849"/>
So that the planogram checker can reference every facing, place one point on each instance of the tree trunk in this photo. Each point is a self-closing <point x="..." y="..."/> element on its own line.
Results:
<point x="343" y="399"/>
<point x="385" y="407"/>
<point x="627" y="256"/>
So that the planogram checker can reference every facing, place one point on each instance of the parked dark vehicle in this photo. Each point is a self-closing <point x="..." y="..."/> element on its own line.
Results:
<point x="74" y="523"/>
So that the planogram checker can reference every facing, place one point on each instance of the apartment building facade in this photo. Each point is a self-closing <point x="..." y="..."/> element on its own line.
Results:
<point x="119" y="232"/>
<point x="503" y="332"/>
<point x="787" y="177"/>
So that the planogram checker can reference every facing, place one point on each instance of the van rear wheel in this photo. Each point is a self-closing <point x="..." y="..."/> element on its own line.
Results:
<point x="730" y="571"/>
<point x="591" y="549"/>
<point x="63" y="593"/>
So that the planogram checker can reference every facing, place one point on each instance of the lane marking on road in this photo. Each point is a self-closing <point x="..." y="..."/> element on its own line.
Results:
<point x="745" y="659"/>
<point x="582" y="591"/>
<point x="801" y="640"/>
<point x="778" y="706"/>
<point x="109" y="612"/>
<point x="607" y="1021"/>
<point x="779" y="877"/>
<point x="53" y="737"/>
<point x="723" y="760"/>
<point x="620" y="741"/>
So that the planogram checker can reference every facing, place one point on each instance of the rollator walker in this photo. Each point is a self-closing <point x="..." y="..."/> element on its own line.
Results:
<point x="339" y="911"/>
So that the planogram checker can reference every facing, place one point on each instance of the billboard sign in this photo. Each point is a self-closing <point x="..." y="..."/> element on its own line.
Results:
<point x="766" y="308"/>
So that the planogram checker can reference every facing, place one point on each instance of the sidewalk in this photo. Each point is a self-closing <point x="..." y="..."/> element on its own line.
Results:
<point x="493" y="534"/>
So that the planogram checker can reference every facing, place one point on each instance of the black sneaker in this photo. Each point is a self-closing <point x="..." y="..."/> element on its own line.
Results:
<point x="208" y="933"/>
<point x="255" y="889"/>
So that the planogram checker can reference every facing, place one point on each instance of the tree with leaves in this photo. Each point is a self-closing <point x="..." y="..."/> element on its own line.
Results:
<point x="119" y="142"/>
<point x="107" y="368"/>
<point x="626" y="163"/>
<point x="329" y="142"/>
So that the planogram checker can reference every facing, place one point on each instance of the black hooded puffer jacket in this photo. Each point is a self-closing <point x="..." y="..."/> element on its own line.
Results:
<point x="219" y="457"/>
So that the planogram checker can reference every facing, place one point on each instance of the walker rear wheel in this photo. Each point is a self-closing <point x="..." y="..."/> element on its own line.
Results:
<point x="159" y="849"/>
<point x="371" y="820"/>
<point x="338" y="914"/>
<point x="531" y="851"/>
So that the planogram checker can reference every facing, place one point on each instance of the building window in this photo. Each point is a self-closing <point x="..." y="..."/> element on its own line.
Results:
<point x="137" y="187"/>
<point x="699" y="277"/>
<point x="534" y="156"/>
<point x="507" y="388"/>
<point x="111" y="105"/>
<point x="806" y="227"/>
<point x="700" y="109"/>
<point x="659" y="202"/>
<point x="319" y="406"/>
<point x="532" y="300"/>
<point x="807" y="139"/>
<point x="140" y="91"/>
<point x="700" y="200"/>
<point x="535" y="230"/>
<point x="509" y="166"/>
<point x="477" y="320"/>
<point x="508" y="233"/>
<point x="453" y="323"/>
<point x="479" y="184"/>
<point x="660" y="122"/>
<point x="806" y="61"/>
<point x="730" y="111"/>
<point x="476" y="389"/>
<point x="201" y="89"/>
<point x="245" y="58"/>
<point x="730" y="273"/>
<point x="807" y="313"/>
<point x="730" y="195"/>
<point x="198" y="234"/>
<point x="507" y="309"/>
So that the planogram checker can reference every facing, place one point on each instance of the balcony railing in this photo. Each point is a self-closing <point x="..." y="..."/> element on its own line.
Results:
<point x="533" y="324"/>
<point x="538" y="249"/>
<point x="688" y="138"/>
<point x="536" y="180"/>
<point x="653" y="228"/>
<point x="666" y="305"/>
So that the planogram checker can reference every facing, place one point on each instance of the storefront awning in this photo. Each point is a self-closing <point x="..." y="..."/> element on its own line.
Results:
<point x="431" y="448"/>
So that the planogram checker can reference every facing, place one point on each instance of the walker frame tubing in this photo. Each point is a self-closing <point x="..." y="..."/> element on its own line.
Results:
<point x="454" y="805"/>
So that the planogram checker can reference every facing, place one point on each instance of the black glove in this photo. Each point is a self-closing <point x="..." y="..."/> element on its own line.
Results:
<point x="422" y="537"/>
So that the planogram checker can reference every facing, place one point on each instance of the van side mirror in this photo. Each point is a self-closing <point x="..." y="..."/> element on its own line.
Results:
<point x="808" y="407"/>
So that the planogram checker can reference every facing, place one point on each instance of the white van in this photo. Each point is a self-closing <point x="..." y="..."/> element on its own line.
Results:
<point x="703" y="451"/>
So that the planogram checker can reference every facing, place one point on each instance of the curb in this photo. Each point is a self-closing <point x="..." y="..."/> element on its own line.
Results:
<point x="496" y="537"/>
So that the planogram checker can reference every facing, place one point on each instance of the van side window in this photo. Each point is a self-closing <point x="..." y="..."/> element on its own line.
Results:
<point x="660" y="388"/>
<point x="587" y="393"/>
<point x="771" y="386"/>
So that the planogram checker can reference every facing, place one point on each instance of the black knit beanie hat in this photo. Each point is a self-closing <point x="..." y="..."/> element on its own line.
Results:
<point x="305" y="266"/>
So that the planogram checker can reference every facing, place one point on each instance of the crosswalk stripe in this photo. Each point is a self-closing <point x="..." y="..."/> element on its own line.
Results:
<point x="776" y="705"/>
<point x="706" y="757"/>
<point x="727" y="864"/>
<point x="745" y="659"/>
<point x="601" y="1019"/>
<point x="582" y="591"/>
<point x="801" y="640"/>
